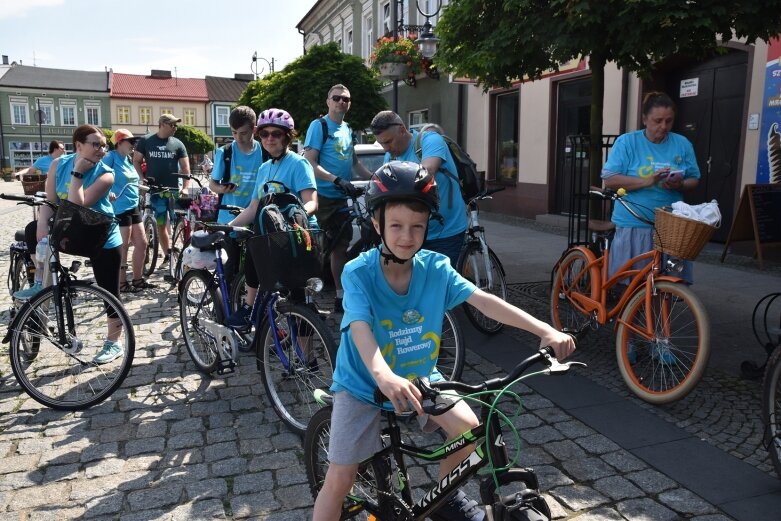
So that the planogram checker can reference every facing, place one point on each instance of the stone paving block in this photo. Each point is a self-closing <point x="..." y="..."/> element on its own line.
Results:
<point x="144" y="445"/>
<point x="199" y="511"/>
<point x="229" y="467"/>
<point x="220" y="435"/>
<point x="651" y="481"/>
<point x="587" y="469"/>
<point x="196" y="472"/>
<point x="206" y="489"/>
<point x="712" y="517"/>
<point x="185" y="425"/>
<point x="110" y="504"/>
<point x="541" y="435"/>
<point x="246" y="403"/>
<point x="552" y="414"/>
<point x="573" y="429"/>
<point x="105" y="467"/>
<point x="255" y="446"/>
<point x="203" y="408"/>
<point x="215" y="421"/>
<point x="181" y="457"/>
<point x="251" y="483"/>
<point x="19" y="463"/>
<point x="142" y="463"/>
<point x="286" y="440"/>
<point x="578" y="497"/>
<point x="119" y="433"/>
<point x="151" y="429"/>
<point x="102" y="421"/>
<point x="162" y="496"/>
<point x="600" y="514"/>
<point x="50" y="494"/>
<point x="221" y="451"/>
<point x="686" y="502"/>
<point x="550" y="477"/>
<point x="616" y="488"/>
<point x="597" y="444"/>
<point x="249" y="505"/>
<point x="61" y="472"/>
<point x="624" y="461"/>
<point x="17" y="480"/>
<point x="273" y="461"/>
<point x="294" y="496"/>
<point x="291" y="515"/>
<point x="230" y="393"/>
<point x="101" y="451"/>
<point x="185" y="441"/>
<point x="67" y="454"/>
<point x="565" y="450"/>
<point x="644" y="509"/>
<point x="36" y="445"/>
<point x="557" y="511"/>
<point x="296" y="475"/>
<point x="533" y="456"/>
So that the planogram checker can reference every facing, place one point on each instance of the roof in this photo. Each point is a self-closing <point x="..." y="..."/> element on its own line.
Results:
<point x="148" y="87"/>
<point x="44" y="78"/>
<point x="225" y="89"/>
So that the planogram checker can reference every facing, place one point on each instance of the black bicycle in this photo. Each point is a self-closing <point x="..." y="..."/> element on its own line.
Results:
<point x="382" y="488"/>
<point x="767" y="329"/>
<point x="59" y="352"/>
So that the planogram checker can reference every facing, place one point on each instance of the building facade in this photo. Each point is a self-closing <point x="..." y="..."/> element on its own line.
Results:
<point x="38" y="105"/>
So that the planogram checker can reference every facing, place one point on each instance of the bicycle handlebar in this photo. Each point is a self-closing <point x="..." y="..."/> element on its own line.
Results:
<point x="617" y="195"/>
<point x="30" y="200"/>
<point x="189" y="176"/>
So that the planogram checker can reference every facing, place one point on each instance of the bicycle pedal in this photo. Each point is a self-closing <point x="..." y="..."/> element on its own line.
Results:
<point x="226" y="367"/>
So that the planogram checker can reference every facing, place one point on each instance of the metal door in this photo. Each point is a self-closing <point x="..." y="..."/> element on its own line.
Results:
<point x="573" y="114"/>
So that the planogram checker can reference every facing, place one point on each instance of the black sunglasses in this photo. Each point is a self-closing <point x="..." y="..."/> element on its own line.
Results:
<point x="338" y="98"/>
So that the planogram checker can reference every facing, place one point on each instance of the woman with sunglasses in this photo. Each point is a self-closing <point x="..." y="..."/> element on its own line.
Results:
<point x="82" y="178"/>
<point x="124" y="197"/>
<point x="285" y="169"/>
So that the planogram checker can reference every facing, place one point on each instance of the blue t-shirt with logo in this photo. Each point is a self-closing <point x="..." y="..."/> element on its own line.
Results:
<point x="432" y="145"/>
<point x="62" y="183"/>
<point x="292" y="171"/>
<point x="244" y="170"/>
<point x="125" y="175"/>
<point x="407" y="328"/>
<point x="43" y="163"/>
<point x="635" y="155"/>
<point x="336" y="154"/>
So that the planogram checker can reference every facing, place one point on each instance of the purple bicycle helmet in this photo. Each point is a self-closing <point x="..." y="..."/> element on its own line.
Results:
<point x="276" y="118"/>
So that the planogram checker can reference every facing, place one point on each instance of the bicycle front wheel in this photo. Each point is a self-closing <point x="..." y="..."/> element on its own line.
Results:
<point x="201" y="318"/>
<point x="667" y="366"/>
<point x="72" y="369"/>
<point x="298" y="355"/>
<point x="484" y="270"/>
<point x="452" y="351"/>
<point x="771" y="408"/>
<point x="572" y="276"/>
<point x="150" y="257"/>
<point x="372" y="479"/>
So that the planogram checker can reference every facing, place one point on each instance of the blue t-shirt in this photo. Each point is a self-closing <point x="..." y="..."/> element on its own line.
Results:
<point x="635" y="155"/>
<point x="244" y="169"/>
<point x="336" y="154"/>
<point x="407" y="328"/>
<point x="125" y="175"/>
<point x="43" y="163"/>
<point x="432" y="145"/>
<point x="293" y="171"/>
<point x="62" y="183"/>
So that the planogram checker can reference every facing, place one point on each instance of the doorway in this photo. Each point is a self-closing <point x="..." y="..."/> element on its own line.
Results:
<point x="573" y="114"/>
<point x="710" y="98"/>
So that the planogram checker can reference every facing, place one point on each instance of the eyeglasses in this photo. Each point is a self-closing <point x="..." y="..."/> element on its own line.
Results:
<point x="172" y="125"/>
<point x="337" y="98"/>
<point x="97" y="145"/>
<point x="276" y="134"/>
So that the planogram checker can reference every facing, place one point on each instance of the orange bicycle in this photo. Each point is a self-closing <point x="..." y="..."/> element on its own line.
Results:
<point x="662" y="329"/>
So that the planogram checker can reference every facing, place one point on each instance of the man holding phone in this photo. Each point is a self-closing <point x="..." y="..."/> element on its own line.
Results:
<point x="237" y="184"/>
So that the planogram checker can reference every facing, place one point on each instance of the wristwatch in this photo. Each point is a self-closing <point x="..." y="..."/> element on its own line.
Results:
<point x="77" y="175"/>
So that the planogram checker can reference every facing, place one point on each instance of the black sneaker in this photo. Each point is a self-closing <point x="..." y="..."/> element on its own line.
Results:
<point x="459" y="508"/>
<point x="165" y="261"/>
<point x="338" y="305"/>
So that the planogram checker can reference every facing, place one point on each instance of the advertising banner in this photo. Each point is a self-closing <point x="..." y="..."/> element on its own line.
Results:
<point x="769" y="161"/>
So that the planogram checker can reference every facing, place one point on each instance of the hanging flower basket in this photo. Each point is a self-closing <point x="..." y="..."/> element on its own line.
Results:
<point x="393" y="70"/>
<point x="396" y="58"/>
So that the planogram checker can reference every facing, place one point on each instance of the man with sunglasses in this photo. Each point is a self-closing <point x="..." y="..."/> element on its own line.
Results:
<point x="165" y="155"/>
<point x="329" y="149"/>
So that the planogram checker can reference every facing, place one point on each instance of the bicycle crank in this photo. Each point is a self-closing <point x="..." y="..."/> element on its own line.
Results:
<point x="227" y="349"/>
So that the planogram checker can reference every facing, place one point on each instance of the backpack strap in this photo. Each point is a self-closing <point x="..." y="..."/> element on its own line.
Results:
<point x="419" y="153"/>
<point x="324" y="124"/>
<point x="227" y="155"/>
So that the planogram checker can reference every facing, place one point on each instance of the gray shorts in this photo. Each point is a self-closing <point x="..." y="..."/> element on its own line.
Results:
<point x="355" y="428"/>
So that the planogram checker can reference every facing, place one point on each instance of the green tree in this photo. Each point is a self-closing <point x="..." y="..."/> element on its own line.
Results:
<point x="301" y="87"/>
<point x="498" y="41"/>
<point x="196" y="141"/>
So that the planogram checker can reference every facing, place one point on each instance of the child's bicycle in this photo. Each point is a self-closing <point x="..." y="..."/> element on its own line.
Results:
<point x="293" y="345"/>
<point x="662" y="328"/>
<point x="382" y="488"/>
<point x="479" y="264"/>
<point x="57" y="337"/>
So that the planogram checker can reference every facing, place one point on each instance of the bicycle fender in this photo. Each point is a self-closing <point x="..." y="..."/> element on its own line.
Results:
<point x="670" y="278"/>
<point x="14" y="322"/>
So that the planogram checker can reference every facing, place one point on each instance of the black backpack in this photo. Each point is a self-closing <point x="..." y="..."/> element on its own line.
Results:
<point x="280" y="211"/>
<point x="469" y="181"/>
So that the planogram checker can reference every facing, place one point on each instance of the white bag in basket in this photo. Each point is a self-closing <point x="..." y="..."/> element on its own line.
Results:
<point x="706" y="212"/>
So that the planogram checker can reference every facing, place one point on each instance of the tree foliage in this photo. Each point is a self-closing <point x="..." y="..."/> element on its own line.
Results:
<point x="301" y="87"/>
<point x="196" y="141"/>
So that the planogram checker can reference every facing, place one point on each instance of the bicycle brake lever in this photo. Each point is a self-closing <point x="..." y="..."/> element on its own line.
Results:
<point x="556" y="367"/>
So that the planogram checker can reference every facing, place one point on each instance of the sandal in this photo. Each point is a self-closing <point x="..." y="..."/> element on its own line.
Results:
<point x="125" y="287"/>
<point x="141" y="285"/>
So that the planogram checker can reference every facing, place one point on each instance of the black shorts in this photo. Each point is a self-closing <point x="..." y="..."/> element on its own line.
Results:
<point x="129" y="217"/>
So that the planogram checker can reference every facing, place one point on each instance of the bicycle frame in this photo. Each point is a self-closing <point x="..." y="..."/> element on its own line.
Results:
<point x="476" y="233"/>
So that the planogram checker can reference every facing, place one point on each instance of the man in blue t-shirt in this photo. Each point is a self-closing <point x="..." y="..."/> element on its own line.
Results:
<point x="42" y="164"/>
<point x="445" y="236"/>
<point x="237" y="186"/>
<point x="332" y="159"/>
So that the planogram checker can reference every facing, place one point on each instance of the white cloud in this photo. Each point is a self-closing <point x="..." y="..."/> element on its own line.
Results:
<point x="22" y="9"/>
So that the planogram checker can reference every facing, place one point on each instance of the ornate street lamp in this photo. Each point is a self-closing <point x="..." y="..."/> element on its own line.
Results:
<point x="254" y="65"/>
<point x="427" y="42"/>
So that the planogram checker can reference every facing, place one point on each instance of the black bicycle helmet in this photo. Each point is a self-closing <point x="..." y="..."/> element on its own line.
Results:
<point x="400" y="181"/>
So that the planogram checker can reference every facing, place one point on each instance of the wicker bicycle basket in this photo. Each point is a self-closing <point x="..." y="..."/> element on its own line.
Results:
<point x="680" y="236"/>
<point x="32" y="183"/>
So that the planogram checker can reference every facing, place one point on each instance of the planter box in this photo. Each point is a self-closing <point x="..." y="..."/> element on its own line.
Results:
<point x="393" y="70"/>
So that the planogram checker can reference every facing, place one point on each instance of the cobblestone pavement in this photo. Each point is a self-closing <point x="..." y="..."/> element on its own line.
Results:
<point x="173" y="444"/>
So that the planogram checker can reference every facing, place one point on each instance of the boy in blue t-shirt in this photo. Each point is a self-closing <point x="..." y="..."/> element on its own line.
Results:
<point x="394" y="303"/>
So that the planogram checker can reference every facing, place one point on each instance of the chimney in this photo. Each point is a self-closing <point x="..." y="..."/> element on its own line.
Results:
<point x="157" y="73"/>
<point x="5" y="59"/>
<point x="244" y="77"/>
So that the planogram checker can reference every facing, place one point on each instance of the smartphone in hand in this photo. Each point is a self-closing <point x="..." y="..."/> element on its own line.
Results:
<point x="674" y="176"/>
<point x="229" y="186"/>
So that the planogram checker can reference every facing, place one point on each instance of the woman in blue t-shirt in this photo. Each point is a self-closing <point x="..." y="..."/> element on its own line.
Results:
<point x="83" y="179"/>
<point x="285" y="169"/>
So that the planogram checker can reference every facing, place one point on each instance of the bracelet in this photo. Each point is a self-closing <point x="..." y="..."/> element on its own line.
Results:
<point x="77" y="175"/>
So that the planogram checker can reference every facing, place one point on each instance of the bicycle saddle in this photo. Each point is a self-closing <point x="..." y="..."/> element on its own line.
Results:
<point x="203" y="242"/>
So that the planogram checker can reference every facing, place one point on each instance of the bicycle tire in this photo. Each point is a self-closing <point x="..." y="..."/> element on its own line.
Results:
<point x="200" y="301"/>
<point x="471" y="265"/>
<point x="68" y="378"/>
<point x="667" y="368"/>
<point x="291" y="388"/>
<point x="771" y="408"/>
<point x="373" y="477"/>
<point x="151" y="254"/>
<point x="563" y="313"/>
<point x="17" y="272"/>
<point x="178" y="244"/>
<point x="452" y="350"/>
<point x="237" y="291"/>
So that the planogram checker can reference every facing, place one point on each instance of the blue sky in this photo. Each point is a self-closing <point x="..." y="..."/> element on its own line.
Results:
<point x="193" y="38"/>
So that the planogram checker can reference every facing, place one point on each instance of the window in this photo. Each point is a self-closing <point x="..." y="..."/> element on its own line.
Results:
<point x="19" y="111"/>
<point x="68" y="114"/>
<point x="417" y="117"/>
<point x="145" y="115"/>
<point x="92" y="114"/>
<point x="166" y="110"/>
<point x="368" y="46"/>
<point x="429" y="6"/>
<point x="348" y="48"/>
<point x="222" y="116"/>
<point x="189" y="117"/>
<point x="386" y="19"/>
<point x="47" y="108"/>
<point x="507" y="123"/>
<point x="123" y="115"/>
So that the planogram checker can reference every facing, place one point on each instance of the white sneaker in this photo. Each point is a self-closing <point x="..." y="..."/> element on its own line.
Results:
<point x="110" y="351"/>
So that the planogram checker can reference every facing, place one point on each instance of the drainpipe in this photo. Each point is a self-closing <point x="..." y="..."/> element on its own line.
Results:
<point x="2" y="144"/>
<point x="303" y="38"/>
<point x="460" y="123"/>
